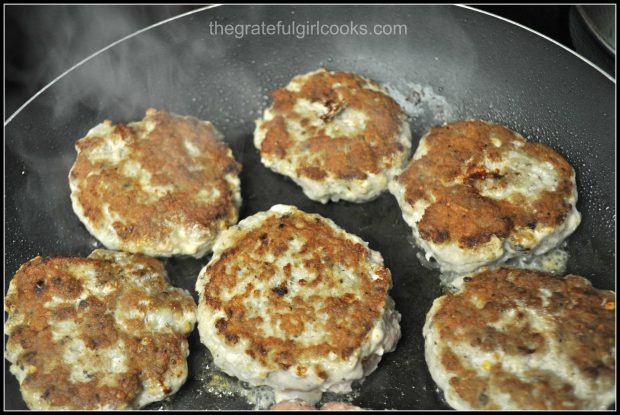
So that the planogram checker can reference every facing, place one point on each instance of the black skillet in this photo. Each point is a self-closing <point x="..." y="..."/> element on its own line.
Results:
<point x="483" y="67"/>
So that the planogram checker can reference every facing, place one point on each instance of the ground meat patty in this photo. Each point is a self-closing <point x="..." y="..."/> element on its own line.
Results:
<point x="292" y="405"/>
<point x="297" y="405"/>
<point x="292" y="301"/>
<point x="340" y="406"/>
<point x="103" y="332"/>
<point x="336" y="134"/>
<point x="522" y="339"/>
<point x="478" y="194"/>
<point x="167" y="185"/>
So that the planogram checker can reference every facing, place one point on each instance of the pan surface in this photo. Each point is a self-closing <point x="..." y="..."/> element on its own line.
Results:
<point x="452" y="63"/>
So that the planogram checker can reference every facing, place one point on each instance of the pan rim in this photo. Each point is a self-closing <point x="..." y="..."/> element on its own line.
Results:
<point x="463" y="6"/>
<point x="25" y="115"/>
<point x="586" y="60"/>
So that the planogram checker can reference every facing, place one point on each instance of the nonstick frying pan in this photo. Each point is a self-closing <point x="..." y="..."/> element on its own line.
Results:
<point x="452" y="63"/>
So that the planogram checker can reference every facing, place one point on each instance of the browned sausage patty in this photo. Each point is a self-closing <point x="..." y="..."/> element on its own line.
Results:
<point x="103" y="332"/>
<point x="521" y="339"/>
<point x="477" y="193"/>
<point x="336" y="134"/>
<point x="166" y="185"/>
<point x="291" y="301"/>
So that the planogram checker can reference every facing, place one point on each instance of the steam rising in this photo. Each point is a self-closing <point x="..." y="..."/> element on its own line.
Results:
<point x="45" y="41"/>
<point x="94" y="88"/>
<point x="180" y="67"/>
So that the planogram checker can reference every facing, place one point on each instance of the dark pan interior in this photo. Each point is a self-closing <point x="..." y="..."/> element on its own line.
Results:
<point x="483" y="67"/>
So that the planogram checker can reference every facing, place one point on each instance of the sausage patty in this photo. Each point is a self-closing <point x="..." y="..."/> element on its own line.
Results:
<point x="167" y="185"/>
<point x="521" y="339"/>
<point x="336" y="134"/>
<point x="103" y="332"/>
<point x="292" y="301"/>
<point x="478" y="194"/>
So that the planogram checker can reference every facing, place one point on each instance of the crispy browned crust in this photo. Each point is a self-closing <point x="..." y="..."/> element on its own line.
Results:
<point x="342" y="157"/>
<point x="584" y="324"/>
<point x="164" y="156"/>
<point x="460" y="213"/>
<point x="351" y="315"/>
<point x="150" y="355"/>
